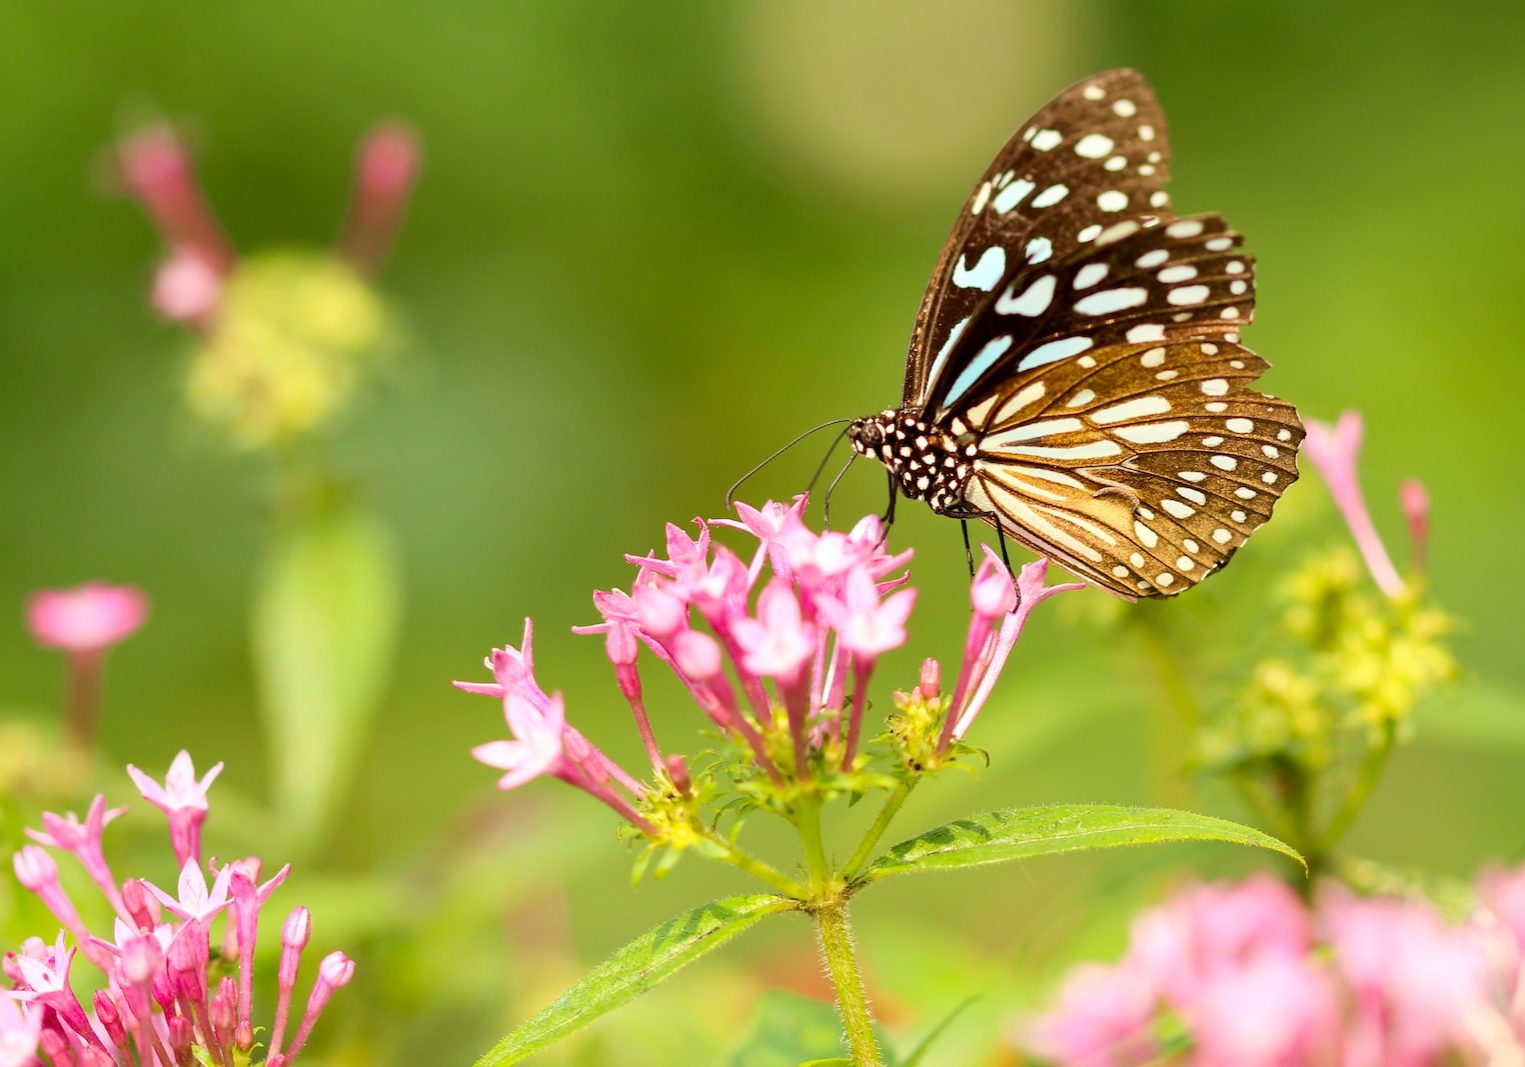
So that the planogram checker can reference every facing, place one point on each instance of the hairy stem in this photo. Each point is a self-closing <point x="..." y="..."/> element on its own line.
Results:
<point x="882" y="821"/>
<point x="835" y="935"/>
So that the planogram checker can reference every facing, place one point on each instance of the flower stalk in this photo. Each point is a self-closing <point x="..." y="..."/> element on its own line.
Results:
<point x="834" y="935"/>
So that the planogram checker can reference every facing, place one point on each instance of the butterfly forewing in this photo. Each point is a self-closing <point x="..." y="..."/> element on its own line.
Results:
<point x="1076" y="375"/>
<point x="1093" y="155"/>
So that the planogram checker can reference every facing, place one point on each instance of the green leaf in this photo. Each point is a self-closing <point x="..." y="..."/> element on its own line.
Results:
<point x="1017" y="833"/>
<point x="651" y="958"/>
<point x="324" y="632"/>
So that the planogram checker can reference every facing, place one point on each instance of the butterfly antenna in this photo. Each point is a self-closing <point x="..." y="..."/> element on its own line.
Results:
<point x="730" y="494"/>
<point x="832" y="488"/>
<point x="821" y="466"/>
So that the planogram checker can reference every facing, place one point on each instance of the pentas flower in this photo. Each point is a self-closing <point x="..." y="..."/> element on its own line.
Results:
<point x="776" y="644"/>
<point x="182" y="797"/>
<point x="84" y="622"/>
<point x="164" y="998"/>
<point x="1248" y="975"/>
<point x="87" y="618"/>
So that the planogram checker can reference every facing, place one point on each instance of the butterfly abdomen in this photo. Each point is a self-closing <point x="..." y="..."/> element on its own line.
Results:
<point x="927" y="462"/>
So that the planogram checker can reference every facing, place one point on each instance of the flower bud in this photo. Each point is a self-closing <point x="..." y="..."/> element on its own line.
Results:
<point x="677" y="771"/>
<point x="930" y="685"/>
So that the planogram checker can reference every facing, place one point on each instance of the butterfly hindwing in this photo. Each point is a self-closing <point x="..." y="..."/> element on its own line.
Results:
<point x="1115" y="425"/>
<point x="1093" y="155"/>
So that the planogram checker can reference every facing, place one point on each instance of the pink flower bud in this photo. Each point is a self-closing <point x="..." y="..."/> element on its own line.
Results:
<point x="140" y="906"/>
<point x="677" y="772"/>
<point x="1416" y="509"/>
<point x="930" y="685"/>
<point x="384" y="174"/>
<point x="35" y="869"/>
<point x="110" y="1017"/>
<point x="181" y="1035"/>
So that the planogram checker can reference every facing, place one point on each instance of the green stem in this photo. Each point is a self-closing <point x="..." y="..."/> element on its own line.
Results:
<point x="836" y="938"/>
<point x="759" y="869"/>
<point x="807" y="820"/>
<point x="887" y="813"/>
<point x="1360" y="792"/>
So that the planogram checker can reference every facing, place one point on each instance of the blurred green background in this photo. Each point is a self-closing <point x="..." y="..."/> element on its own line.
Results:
<point x="649" y="244"/>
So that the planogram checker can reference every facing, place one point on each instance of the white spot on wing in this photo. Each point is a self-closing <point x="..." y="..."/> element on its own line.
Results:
<point x="1093" y="146"/>
<point x="1112" y="200"/>
<point x="1089" y="275"/>
<point x="1033" y="302"/>
<point x="1051" y="196"/>
<point x="1012" y="195"/>
<point x="1039" y="249"/>
<point x="1110" y="300"/>
<point x="1152" y="433"/>
<point x="983" y="275"/>
<point x="1149" y="331"/>
<point x="1047" y="140"/>
<point x="1053" y="351"/>
<point x="1131" y="409"/>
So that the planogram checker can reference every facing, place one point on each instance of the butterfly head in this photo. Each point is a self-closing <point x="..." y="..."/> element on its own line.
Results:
<point x="927" y="463"/>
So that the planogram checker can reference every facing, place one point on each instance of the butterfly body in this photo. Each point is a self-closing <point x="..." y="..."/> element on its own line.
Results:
<point x="1076" y="377"/>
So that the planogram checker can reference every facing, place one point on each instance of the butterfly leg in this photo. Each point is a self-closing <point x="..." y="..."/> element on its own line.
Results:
<point x="968" y="550"/>
<point x="888" y="518"/>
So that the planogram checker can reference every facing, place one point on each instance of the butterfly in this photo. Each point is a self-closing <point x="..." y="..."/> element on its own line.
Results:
<point x="1076" y="376"/>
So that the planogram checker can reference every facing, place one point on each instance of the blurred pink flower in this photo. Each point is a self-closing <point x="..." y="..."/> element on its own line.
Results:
<point x="1274" y="1011"/>
<point x="1334" y="451"/>
<point x="86" y="618"/>
<point x="182" y="797"/>
<point x="19" y="1031"/>
<point x="1207" y="932"/>
<point x="1415" y="982"/>
<point x="1104" y="1017"/>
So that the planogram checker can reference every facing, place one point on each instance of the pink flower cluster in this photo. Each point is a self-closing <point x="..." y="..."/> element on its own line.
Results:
<point x="155" y="166"/>
<point x="161" y="1002"/>
<point x="1247" y="976"/>
<point x="782" y="639"/>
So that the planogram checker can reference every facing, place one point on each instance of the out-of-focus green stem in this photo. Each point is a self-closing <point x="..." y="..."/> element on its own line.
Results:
<point x="1360" y="792"/>
<point x="835" y="936"/>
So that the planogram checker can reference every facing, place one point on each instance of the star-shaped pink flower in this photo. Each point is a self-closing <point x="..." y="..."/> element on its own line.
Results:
<point x="196" y="902"/>
<point x="537" y="744"/>
<point x="183" y="798"/>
